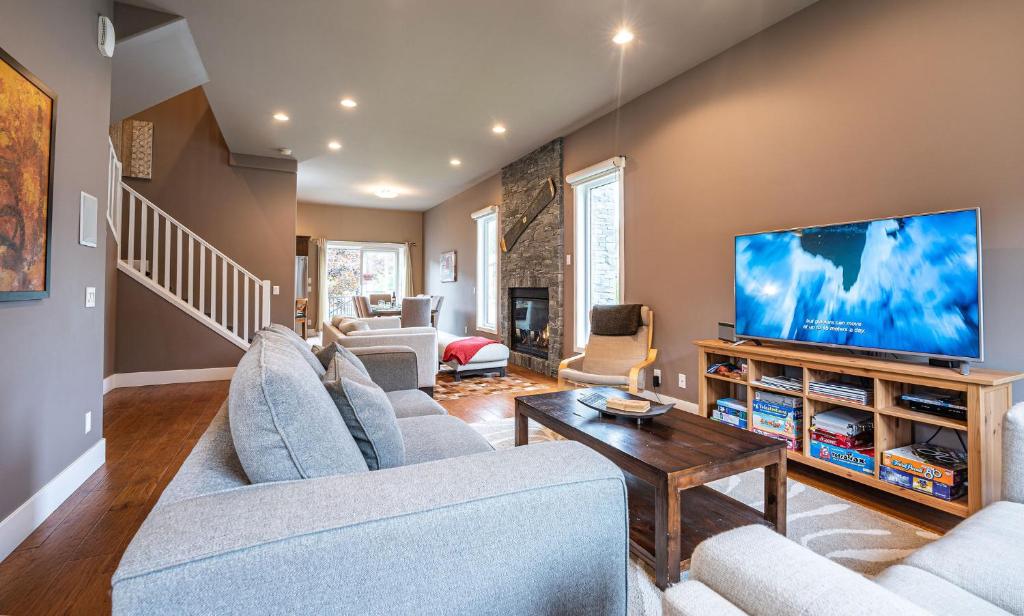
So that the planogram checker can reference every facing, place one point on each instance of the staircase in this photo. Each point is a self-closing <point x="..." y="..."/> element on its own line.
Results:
<point x="183" y="268"/>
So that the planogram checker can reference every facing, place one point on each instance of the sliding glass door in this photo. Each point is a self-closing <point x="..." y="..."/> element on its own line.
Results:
<point x="360" y="269"/>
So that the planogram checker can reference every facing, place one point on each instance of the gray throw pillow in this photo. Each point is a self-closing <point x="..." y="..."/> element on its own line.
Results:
<point x="284" y="335"/>
<point x="368" y="413"/>
<point x="327" y="353"/>
<point x="283" y="423"/>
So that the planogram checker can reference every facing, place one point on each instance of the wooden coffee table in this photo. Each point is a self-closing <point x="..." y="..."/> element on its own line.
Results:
<point x="666" y="463"/>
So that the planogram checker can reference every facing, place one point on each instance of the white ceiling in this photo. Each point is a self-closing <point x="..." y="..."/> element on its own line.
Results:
<point x="432" y="77"/>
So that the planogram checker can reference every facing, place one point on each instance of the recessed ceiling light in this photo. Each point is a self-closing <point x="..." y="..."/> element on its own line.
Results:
<point x="348" y="102"/>
<point x="455" y="162"/>
<point x="622" y="37"/>
<point x="334" y="145"/>
<point x="386" y="192"/>
<point x="498" y="129"/>
<point x="281" y="117"/>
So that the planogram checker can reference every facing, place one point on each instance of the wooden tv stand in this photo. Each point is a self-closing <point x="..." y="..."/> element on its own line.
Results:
<point x="988" y="393"/>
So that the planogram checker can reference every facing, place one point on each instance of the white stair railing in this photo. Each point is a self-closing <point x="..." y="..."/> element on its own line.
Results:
<point x="183" y="268"/>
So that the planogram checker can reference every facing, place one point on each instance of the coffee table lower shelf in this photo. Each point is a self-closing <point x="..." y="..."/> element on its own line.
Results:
<point x="705" y="512"/>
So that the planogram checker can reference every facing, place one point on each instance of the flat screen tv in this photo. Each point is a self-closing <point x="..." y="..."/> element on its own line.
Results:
<point x="910" y="284"/>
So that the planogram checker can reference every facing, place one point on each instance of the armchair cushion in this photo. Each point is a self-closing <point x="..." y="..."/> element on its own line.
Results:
<point x="934" y="593"/>
<point x="984" y="555"/>
<point x="590" y="378"/>
<point x="615" y="320"/>
<point x="614" y="354"/>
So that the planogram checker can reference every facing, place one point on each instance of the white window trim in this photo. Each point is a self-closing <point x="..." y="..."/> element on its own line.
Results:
<point x="478" y="217"/>
<point x="580" y="182"/>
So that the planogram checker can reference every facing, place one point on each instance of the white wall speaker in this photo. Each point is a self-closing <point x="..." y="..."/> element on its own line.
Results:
<point x="105" y="37"/>
<point x="87" y="220"/>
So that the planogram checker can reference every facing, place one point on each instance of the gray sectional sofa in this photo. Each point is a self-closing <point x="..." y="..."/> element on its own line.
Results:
<point x="977" y="568"/>
<point x="457" y="529"/>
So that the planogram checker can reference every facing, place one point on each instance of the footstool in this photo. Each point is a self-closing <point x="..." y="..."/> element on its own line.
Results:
<point x="490" y="359"/>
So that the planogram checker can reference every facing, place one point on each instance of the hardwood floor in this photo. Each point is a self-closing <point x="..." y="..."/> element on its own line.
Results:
<point x="64" y="567"/>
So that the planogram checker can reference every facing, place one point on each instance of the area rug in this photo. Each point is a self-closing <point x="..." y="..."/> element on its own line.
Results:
<point x="447" y="388"/>
<point x="853" y="536"/>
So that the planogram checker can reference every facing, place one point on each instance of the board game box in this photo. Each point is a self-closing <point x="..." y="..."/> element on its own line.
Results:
<point x="730" y="411"/>
<point x="861" y="460"/>
<point x="841" y="440"/>
<point x="844" y="421"/>
<point x="920" y="484"/>
<point x="792" y="444"/>
<point x="932" y="462"/>
<point x="789" y="427"/>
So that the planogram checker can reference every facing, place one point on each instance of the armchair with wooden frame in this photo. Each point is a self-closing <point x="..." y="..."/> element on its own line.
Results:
<point x="616" y="361"/>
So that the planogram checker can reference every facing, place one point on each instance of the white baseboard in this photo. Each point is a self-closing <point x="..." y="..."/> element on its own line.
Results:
<point x="166" y="377"/>
<point x="16" y="527"/>
<point x="689" y="407"/>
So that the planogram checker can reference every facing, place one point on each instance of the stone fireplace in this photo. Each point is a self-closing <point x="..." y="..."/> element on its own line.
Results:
<point x="532" y="271"/>
<point x="529" y="330"/>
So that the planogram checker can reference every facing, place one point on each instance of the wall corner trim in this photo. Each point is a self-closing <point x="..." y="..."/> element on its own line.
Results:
<point x="266" y="163"/>
<point x="166" y="377"/>
<point x="16" y="527"/>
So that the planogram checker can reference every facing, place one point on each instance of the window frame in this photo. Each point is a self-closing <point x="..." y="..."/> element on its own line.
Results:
<point x="481" y="289"/>
<point x="595" y="176"/>
<point x="363" y="247"/>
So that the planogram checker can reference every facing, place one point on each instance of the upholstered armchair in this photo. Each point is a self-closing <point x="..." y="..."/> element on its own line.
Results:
<point x="616" y="361"/>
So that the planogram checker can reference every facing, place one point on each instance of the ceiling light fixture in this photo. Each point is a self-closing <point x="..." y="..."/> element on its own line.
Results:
<point x="455" y="162"/>
<point x="498" y="129"/>
<point x="348" y="102"/>
<point x="386" y="192"/>
<point x="334" y="145"/>
<point x="281" y="117"/>
<point x="622" y="37"/>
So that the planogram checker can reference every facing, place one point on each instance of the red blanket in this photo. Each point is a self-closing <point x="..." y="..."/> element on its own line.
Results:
<point x="463" y="350"/>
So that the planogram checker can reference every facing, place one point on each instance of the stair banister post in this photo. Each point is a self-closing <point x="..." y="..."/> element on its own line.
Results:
<point x="265" y="305"/>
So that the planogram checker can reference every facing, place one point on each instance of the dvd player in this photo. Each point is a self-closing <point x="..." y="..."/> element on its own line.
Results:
<point x="950" y="408"/>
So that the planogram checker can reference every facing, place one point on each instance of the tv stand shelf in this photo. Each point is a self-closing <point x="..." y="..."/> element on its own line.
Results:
<point x="988" y="394"/>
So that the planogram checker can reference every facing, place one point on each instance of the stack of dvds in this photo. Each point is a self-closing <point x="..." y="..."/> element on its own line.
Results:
<point x="930" y="469"/>
<point x="841" y="390"/>
<point x="730" y="411"/>
<point x="783" y="382"/>
<point x="779" y="417"/>
<point x="844" y="437"/>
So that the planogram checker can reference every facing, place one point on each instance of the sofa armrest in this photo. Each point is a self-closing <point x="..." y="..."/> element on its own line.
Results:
<point x="542" y="528"/>
<point x="764" y="574"/>
<point x="691" y="598"/>
<point x="330" y="334"/>
<point x="424" y="343"/>
<point x="1013" y="454"/>
<point x="392" y="368"/>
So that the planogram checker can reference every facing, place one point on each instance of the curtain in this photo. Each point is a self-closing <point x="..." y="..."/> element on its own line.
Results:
<point x="409" y="291"/>
<point x="321" y="282"/>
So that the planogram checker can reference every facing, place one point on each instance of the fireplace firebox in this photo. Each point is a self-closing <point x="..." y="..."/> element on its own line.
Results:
<point x="528" y="325"/>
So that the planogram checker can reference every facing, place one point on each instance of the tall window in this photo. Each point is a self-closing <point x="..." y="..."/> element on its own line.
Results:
<point x="487" y="269"/>
<point x="361" y="269"/>
<point x="599" y="280"/>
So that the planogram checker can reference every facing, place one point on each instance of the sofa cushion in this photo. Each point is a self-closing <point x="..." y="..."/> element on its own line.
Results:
<point x="934" y="593"/>
<point x="690" y="598"/>
<point x="414" y="403"/>
<point x="436" y="437"/>
<point x="984" y="555"/>
<point x="367" y="412"/>
<point x="286" y="336"/>
<point x="326" y="353"/>
<point x="283" y="422"/>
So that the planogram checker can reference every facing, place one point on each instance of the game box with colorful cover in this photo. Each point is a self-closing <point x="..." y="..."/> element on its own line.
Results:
<point x="861" y="460"/>
<point x="920" y="484"/>
<point x="932" y="462"/>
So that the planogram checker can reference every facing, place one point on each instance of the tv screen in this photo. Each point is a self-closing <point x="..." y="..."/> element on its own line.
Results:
<point x="908" y="285"/>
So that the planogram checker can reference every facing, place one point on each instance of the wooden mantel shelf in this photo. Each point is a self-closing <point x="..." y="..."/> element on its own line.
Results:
<point x="988" y="395"/>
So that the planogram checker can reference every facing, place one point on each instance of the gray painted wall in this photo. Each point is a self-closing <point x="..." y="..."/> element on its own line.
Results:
<point x="51" y="351"/>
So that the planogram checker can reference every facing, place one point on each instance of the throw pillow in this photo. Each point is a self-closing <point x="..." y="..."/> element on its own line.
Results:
<point x="368" y="413"/>
<point x="284" y="425"/>
<point x="327" y="353"/>
<point x="354" y="325"/>
<point x="287" y="336"/>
